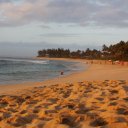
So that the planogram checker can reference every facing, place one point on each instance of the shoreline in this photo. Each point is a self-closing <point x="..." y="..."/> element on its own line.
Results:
<point x="96" y="97"/>
<point x="19" y="88"/>
<point x="94" y="72"/>
<point x="75" y="64"/>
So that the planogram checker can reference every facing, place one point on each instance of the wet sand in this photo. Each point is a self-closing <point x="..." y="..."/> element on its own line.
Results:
<point x="93" y="72"/>
<point x="96" y="97"/>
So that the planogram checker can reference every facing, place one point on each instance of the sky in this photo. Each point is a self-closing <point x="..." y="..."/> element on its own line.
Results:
<point x="27" y="26"/>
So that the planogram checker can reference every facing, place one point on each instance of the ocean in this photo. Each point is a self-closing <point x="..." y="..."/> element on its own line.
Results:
<point x="17" y="70"/>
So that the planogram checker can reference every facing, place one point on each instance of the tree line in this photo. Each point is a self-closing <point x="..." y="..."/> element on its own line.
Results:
<point x="117" y="51"/>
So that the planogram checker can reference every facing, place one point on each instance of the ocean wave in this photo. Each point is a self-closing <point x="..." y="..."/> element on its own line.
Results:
<point x="23" y="70"/>
<point x="25" y="61"/>
<point x="37" y="61"/>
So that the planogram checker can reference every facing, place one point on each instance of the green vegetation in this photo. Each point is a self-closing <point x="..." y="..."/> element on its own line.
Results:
<point x="117" y="51"/>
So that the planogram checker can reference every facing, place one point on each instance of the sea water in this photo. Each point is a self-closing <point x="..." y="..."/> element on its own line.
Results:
<point x="15" y="70"/>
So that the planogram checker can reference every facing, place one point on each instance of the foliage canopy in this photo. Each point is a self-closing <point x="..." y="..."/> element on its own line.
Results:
<point x="117" y="51"/>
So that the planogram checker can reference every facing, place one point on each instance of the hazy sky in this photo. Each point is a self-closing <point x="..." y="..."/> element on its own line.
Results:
<point x="27" y="26"/>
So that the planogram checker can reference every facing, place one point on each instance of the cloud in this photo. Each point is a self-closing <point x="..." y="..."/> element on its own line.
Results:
<point x="111" y="13"/>
<point x="45" y="26"/>
<point x="60" y="35"/>
<point x="5" y="1"/>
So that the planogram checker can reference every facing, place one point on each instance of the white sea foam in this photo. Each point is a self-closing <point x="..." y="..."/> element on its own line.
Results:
<point x="27" y="60"/>
<point x="38" y="61"/>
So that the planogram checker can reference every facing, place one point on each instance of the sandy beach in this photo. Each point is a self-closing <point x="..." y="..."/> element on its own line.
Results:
<point x="95" y="97"/>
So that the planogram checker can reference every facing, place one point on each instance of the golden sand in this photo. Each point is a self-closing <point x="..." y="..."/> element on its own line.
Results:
<point x="102" y="104"/>
<point x="96" y="97"/>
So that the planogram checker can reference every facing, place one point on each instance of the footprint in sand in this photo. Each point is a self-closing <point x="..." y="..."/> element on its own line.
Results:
<point x="114" y="92"/>
<point x="98" y="122"/>
<point x="5" y="115"/>
<point x="123" y="111"/>
<point x="126" y="88"/>
<point x="19" y="120"/>
<point x="121" y="119"/>
<point x="126" y="99"/>
<point x="99" y="98"/>
<point x="113" y="103"/>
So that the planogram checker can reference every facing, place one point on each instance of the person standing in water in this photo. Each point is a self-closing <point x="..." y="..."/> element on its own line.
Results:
<point x="61" y="73"/>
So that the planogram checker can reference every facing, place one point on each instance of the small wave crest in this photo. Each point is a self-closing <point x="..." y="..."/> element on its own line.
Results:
<point x="38" y="61"/>
<point x="26" y="61"/>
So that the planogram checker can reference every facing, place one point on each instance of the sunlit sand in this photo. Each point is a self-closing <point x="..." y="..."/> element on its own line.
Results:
<point x="97" y="97"/>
